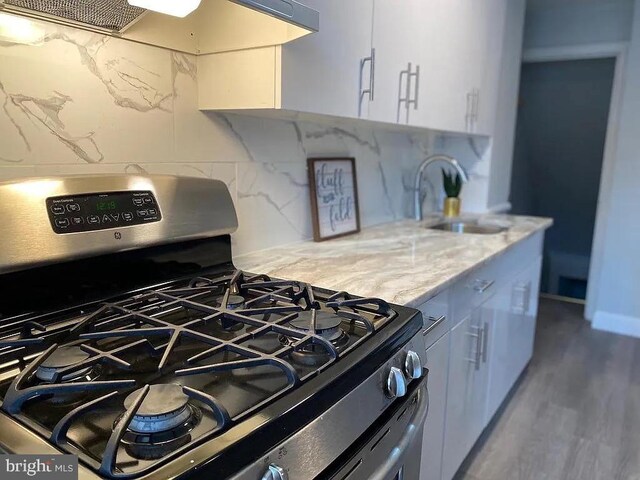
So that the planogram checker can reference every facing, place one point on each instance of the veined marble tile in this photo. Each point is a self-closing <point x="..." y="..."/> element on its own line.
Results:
<point x="84" y="97"/>
<point x="272" y="204"/>
<point x="266" y="140"/>
<point x="47" y="170"/>
<point x="342" y="140"/>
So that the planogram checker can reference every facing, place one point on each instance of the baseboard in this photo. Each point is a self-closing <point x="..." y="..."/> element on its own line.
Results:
<point x="615" y="323"/>
<point x="560" y="298"/>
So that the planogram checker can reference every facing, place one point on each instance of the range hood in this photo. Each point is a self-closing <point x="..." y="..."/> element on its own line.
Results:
<point x="287" y="10"/>
<point x="261" y="22"/>
<point x="103" y="15"/>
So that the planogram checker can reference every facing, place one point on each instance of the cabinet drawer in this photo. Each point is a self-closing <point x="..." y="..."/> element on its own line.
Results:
<point x="472" y="291"/>
<point x="517" y="258"/>
<point x="478" y="286"/>
<point x="435" y="311"/>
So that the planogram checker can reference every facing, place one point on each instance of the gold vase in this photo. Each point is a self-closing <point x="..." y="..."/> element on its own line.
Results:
<point x="451" y="207"/>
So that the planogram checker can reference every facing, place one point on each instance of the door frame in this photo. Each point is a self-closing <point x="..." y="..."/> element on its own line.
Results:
<point x="617" y="51"/>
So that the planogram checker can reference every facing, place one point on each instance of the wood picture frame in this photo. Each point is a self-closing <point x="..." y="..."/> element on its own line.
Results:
<point x="333" y="187"/>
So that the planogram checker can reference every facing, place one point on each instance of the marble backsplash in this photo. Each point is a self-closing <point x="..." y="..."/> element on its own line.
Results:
<point x="75" y="102"/>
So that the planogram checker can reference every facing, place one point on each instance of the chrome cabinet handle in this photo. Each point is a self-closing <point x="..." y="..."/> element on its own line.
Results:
<point x="520" y="298"/>
<point x="479" y="347"/>
<point x="476" y="359"/>
<point x="415" y="75"/>
<point x="372" y="76"/>
<point x="367" y="91"/>
<point x="469" y="114"/>
<point x="407" y="98"/>
<point x="476" y="106"/>
<point x="403" y="99"/>
<point x="435" y="321"/>
<point x="481" y="286"/>
<point x="485" y="342"/>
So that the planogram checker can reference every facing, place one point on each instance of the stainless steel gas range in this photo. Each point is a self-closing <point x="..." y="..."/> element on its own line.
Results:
<point x="128" y="338"/>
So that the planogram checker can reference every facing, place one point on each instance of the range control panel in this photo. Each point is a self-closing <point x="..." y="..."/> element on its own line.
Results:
<point x="100" y="211"/>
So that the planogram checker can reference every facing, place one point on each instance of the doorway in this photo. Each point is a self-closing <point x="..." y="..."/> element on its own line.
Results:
<point x="561" y="136"/>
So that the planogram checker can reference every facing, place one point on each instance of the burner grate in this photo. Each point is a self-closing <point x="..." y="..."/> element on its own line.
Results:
<point x="190" y="332"/>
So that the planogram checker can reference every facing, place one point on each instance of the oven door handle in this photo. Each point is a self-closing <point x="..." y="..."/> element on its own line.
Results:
<point x="394" y="462"/>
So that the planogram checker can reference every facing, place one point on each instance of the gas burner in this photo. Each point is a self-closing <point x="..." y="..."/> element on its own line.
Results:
<point x="162" y="423"/>
<point x="60" y="359"/>
<point x="164" y="408"/>
<point x="234" y="302"/>
<point x="327" y="326"/>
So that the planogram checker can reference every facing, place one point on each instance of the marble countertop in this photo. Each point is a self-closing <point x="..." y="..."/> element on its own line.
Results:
<point x="401" y="262"/>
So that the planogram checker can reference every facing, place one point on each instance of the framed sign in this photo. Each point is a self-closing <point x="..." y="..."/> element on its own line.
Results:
<point x="334" y="197"/>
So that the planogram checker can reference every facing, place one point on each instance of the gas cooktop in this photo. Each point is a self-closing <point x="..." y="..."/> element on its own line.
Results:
<point x="140" y="348"/>
<point x="131" y="381"/>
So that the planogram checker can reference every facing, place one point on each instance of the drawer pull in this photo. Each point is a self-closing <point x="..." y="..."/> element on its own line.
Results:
<point x="481" y="286"/>
<point x="435" y="321"/>
<point x="485" y="342"/>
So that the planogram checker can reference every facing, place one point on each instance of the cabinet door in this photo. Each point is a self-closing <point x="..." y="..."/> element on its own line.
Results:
<point x="321" y="72"/>
<point x="525" y="306"/>
<point x="396" y="30"/>
<point x="467" y="388"/>
<point x="512" y="334"/>
<point x="493" y="45"/>
<point x="433" y="437"/>
<point x="460" y="41"/>
<point x="443" y="87"/>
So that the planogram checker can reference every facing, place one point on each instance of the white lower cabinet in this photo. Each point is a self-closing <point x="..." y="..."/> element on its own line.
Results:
<point x="438" y="365"/>
<point x="467" y="387"/>
<point x="512" y="335"/>
<point x="474" y="365"/>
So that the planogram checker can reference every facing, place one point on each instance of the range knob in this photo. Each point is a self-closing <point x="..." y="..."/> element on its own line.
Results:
<point x="275" y="472"/>
<point x="396" y="383"/>
<point x="412" y="365"/>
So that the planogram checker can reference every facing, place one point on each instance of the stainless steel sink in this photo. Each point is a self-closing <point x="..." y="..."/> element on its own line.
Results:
<point x="468" y="227"/>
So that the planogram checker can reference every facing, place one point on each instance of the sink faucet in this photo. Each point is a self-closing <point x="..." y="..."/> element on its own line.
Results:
<point x="418" y="184"/>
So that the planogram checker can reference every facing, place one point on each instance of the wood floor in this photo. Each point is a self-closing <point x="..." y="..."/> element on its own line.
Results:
<point x="575" y="413"/>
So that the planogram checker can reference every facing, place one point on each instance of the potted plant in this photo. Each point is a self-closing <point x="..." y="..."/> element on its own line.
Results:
<point x="452" y="187"/>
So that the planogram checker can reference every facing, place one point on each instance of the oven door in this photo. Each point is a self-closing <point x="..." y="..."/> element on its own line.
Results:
<point x="391" y="448"/>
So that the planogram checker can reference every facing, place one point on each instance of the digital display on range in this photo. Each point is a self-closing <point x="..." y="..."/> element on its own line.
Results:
<point x="101" y="211"/>
<point x="105" y="206"/>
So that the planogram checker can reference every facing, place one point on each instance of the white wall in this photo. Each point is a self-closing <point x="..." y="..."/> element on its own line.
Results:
<point x="618" y="299"/>
<point x="550" y="24"/>
<point x="503" y="141"/>
<point x="74" y="102"/>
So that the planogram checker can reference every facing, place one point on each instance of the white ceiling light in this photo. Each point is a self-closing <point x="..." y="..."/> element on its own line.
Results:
<point x="177" y="8"/>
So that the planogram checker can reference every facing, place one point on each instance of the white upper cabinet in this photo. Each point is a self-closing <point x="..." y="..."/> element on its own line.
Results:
<point x="495" y="14"/>
<point x="441" y="89"/>
<point x="423" y="63"/>
<point x="458" y="64"/>
<point x="396" y="26"/>
<point x="328" y="72"/>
